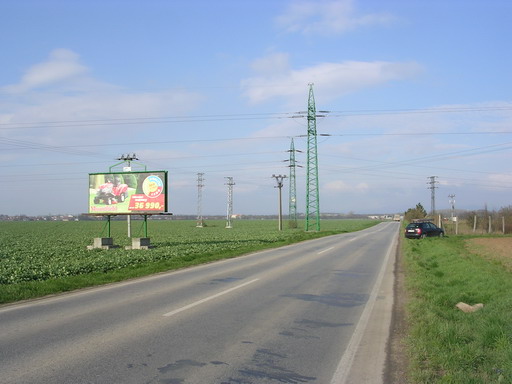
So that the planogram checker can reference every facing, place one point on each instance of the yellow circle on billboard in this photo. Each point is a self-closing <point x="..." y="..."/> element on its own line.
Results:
<point x="152" y="186"/>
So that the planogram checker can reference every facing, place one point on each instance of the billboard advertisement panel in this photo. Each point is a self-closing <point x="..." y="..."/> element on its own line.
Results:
<point x="118" y="193"/>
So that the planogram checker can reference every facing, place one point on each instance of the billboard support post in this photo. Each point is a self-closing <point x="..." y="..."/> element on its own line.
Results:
<point x="142" y="242"/>
<point x="108" y="225"/>
<point x="104" y="242"/>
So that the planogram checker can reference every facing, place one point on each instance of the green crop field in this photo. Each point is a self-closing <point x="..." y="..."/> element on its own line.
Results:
<point x="39" y="258"/>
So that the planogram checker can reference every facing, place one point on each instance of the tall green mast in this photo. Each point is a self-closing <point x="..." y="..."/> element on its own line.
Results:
<point x="312" y="195"/>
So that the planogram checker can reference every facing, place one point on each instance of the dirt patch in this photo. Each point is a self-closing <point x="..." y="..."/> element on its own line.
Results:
<point x="493" y="248"/>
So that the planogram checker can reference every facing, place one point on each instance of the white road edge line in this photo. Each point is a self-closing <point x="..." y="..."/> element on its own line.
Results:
<point x="325" y="250"/>
<point x="168" y="314"/>
<point x="342" y="371"/>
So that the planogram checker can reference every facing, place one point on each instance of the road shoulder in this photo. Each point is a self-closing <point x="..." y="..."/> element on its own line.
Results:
<point x="370" y="353"/>
<point x="397" y="359"/>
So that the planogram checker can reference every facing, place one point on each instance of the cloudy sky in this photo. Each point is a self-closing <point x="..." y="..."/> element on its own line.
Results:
<point x="413" y="88"/>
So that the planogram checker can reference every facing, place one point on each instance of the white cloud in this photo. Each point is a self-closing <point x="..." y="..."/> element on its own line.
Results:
<point x="327" y="17"/>
<point x="61" y="89"/>
<point x="61" y="65"/>
<point x="341" y="186"/>
<point x="334" y="79"/>
<point x="272" y="64"/>
<point x="499" y="181"/>
<point x="287" y="127"/>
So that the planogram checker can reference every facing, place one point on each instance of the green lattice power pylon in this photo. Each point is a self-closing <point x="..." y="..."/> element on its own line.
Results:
<point x="292" y="207"/>
<point x="312" y="195"/>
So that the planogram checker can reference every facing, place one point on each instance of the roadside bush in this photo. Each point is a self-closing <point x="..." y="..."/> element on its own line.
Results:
<point x="415" y="213"/>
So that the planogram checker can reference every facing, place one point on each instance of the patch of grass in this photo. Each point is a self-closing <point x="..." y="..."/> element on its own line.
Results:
<point x="446" y="345"/>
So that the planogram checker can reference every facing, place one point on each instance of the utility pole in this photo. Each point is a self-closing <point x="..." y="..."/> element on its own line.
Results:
<point x="200" y="185"/>
<point x="279" y="181"/>
<point x="128" y="168"/>
<point x="432" y="186"/>
<point x="230" y="184"/>
<point x="128" y="158"/>
<point x="292" y="199"/>
<point x="312" y="194"/>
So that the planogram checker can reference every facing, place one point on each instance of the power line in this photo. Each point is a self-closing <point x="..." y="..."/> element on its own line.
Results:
<point x="234" y="117"/>
<point x="31" y="145"/>
<point x="405" y="163"/>
<point x="408" y="162"/>
<point x="28" y="145"/>
<point x="474" y="133"/>
<point x="22" y="144"/>
<point x="370" y="112"/>
<point x="414" y="176"/>
<point x="152" y="160"/>
<point x="144" y="120"/>
<point x="437" y="157"/>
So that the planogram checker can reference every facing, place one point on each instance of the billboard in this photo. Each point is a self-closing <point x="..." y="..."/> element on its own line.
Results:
<point x="118" y="193"/>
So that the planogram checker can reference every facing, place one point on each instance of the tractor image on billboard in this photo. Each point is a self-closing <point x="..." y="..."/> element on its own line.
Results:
<point x="113" y="191"/>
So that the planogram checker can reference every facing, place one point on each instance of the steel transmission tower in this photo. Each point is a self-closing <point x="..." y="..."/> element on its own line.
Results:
<point x="200" y="185"/>
<point x="312" y="195"/>
<point x="432" y="186"/>
<point x="452" y="204"/>
<point x="229" y="213"/>
<point x="292" y="199"/>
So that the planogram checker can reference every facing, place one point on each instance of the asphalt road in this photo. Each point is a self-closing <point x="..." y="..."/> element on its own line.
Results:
<point x="314" y="312"/>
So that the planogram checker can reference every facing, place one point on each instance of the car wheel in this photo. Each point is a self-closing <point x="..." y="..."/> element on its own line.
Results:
<point x="423" y="236"/>
<point x="441" y="234"/>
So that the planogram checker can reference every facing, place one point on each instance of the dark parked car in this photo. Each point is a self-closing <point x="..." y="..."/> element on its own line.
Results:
<point x="423" y="229"/>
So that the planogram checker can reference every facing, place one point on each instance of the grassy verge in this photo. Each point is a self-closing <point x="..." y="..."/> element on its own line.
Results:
<point x="446" y="345"/>
<point x="38" y="259"/>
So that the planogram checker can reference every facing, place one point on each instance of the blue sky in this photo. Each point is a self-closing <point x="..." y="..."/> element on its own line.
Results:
<point x="413" y="88"/>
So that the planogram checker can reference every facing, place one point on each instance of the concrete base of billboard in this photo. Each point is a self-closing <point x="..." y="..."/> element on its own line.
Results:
<point x="103" y="243"/>
<point x="140" y="243"/>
